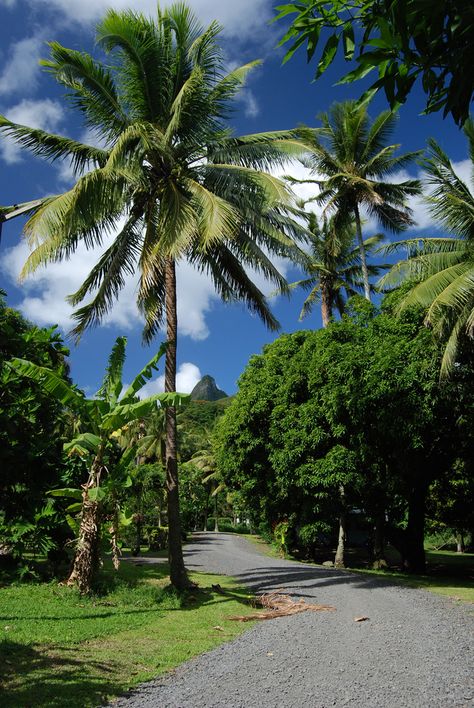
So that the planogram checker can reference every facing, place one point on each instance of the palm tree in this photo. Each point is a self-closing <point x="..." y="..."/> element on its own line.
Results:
<point x="441" y="270"/>
<point x="333" y="266"/>
<point x="185" y="186"/>
<point x="351" y="161"/>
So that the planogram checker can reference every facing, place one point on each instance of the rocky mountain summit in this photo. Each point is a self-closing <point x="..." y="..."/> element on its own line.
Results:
<point x="206" y="390"/>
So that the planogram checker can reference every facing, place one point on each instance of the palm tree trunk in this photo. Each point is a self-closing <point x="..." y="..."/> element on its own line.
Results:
<point x="178" y="575"/>
<point x="363" y="259"/>
<point x="326" y="305"/>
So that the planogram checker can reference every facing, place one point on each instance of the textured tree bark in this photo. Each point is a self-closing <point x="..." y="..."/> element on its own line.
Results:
<point x="87" y="557"/>
<point x="326" y="305"/>
<point x="114" y="531"/>
<point x="363" y="259"/>
<point x="178" y="575"/>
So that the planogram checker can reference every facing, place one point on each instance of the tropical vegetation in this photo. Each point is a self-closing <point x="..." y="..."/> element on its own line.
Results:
<point x="351" y="164"/>
<point x="441" y="269"/>
<point x="170" y="181"/>
<point x="343" y="444"/>
<point x="404" y="43"/>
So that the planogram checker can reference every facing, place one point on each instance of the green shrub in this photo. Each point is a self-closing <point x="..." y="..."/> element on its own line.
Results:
<point x="157" y="537"/>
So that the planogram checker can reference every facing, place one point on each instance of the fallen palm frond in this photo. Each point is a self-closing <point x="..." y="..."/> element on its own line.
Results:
<point x="278" y="605"/>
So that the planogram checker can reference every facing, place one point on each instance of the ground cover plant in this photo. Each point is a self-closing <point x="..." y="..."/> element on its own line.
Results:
<point x="58" y="648"/>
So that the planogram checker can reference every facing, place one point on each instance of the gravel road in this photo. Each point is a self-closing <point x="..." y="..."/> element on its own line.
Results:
<point x="415" y="650"/>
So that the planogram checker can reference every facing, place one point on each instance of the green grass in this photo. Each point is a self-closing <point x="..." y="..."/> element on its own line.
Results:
<point x="59" y="649"/>
<point x="448" y="573"/>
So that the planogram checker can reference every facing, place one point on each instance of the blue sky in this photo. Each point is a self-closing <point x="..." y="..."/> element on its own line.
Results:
<point x="214" y="338"/>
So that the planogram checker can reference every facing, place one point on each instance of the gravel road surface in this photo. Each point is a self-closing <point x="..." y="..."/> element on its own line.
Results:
<point x="415" y="650"/>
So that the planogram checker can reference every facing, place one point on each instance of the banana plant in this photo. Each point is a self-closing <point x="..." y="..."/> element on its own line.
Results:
<point x="100" y="418"/>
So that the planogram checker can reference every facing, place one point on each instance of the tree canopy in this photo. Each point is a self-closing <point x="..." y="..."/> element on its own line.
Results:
<point x="403" y="41"/>
<point x="356" y="404"/>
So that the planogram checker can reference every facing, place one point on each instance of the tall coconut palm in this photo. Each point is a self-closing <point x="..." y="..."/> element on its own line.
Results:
<point x="170" y="179"/>
<point x="441" y="270"/>
<point x="351" y="161"/>
<point x="333" y="266"/>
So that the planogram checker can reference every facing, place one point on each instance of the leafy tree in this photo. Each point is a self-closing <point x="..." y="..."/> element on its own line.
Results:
<point x="32" y="429"/>
<point x="441" y="270"/>
<point x="401" y="41"/>
<point x="186" y="188"/>
<point x="333" y="266"/>
<point x="351" y="161"/>
<point x="356" y="405"/>
<point x="100" y="418"/>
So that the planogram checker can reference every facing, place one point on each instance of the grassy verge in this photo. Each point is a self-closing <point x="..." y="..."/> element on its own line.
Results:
<point x="448" y="573"/>
<point x="60" y="650"/>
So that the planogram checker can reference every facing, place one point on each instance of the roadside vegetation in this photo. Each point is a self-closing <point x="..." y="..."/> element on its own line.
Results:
<point x="61" y="648"/>
<point x="351" y="445"/>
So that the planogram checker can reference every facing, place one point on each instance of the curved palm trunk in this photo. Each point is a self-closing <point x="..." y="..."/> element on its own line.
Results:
<point x="178" y="574"/>
<point x="363" y="259"/>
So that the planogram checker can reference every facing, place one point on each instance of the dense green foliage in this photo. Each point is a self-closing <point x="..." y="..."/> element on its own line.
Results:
<point x="356" y="406"/>
<point x="33" y="427"/>
<point x="441" y="270"/>
<point x="402" y="40"/>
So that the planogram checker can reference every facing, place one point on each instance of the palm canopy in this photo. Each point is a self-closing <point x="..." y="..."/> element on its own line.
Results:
<point x="351" y="164"/>
<point x="170" y="178"/>
<point x="333" y="266"/>
<point x="441" y="270"/>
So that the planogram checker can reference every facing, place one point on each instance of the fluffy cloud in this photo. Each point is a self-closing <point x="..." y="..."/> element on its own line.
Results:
<point x="187" y="377"/>
<point x="240" y="19"/>
<point x="45" y="114"/>
<point x="44" y="293"/>
<point x="21" y="70"/>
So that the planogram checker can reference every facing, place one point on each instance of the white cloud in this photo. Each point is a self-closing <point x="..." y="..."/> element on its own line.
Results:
<point x="421" y="214"/>
<point x="21" y="71"/>
<point x="45" y="292"/>
<point x="187" y="376"/>
<point x="240" y="19"/>
<point x="45" y="114"/>
<point x="249" y="101"/>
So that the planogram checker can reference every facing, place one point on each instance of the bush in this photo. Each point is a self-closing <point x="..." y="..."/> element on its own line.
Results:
<point x="157" y="537"/>
<point x="226" y="525"/>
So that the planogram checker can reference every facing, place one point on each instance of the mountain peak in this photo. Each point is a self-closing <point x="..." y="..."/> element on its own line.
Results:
<point x="206" y="390"/>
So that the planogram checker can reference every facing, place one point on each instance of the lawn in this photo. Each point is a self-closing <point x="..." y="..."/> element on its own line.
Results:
<point x="59" y="649"/>
<point x="448" y="573"/>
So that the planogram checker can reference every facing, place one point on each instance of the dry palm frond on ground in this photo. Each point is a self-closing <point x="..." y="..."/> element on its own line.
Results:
<point x="278" y="605"/>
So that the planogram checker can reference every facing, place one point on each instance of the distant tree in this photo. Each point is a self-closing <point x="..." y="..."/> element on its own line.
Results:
<point x="333" y="266"/>
<point x="402" y="42"/>
<point x="350" y="162"/>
